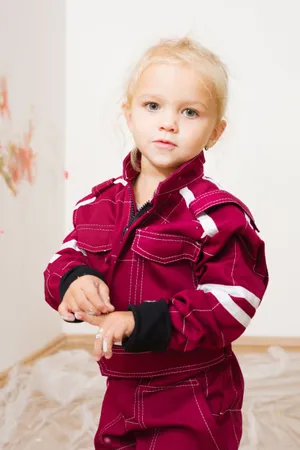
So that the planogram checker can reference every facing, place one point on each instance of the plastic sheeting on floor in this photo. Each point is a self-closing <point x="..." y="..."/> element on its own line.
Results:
<point x="55" y="404"/>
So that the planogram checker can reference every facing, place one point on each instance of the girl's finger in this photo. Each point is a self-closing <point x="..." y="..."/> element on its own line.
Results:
<point x="98" y="345"/>
<point x="107" y="343"/>
<point x="72" y="305"/>
<point x="94" y="297"/>
<point x="93" y="320"/>
<point x="65" y="312"/>
<point x="103" y="290"/>
<point x="82" y="302"/>
<point x="68" y="318"/>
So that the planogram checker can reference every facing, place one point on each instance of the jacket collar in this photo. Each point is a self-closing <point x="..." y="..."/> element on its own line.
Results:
<point x="181" y="177"/>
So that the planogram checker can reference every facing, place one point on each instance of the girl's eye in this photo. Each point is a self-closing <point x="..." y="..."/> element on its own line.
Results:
<point x="152" y="106"/>
<point x="191" y="113"/>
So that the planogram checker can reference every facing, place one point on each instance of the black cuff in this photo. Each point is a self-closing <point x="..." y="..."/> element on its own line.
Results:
<point x="72" y="275"/>
<point x="153" y="327"/>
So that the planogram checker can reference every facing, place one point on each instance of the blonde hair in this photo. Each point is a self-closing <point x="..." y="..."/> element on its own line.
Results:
<point x="176" y="51"/>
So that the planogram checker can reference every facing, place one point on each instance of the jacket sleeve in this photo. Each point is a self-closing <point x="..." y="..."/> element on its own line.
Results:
<point x="68" y="263"/>
<point x="232" y="278"/>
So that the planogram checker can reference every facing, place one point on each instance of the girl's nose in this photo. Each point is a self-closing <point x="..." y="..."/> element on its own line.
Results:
<point x="169" y="124"/>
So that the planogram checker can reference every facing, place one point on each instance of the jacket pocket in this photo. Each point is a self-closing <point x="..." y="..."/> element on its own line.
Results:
<point x="178" y="405"/>
<point x="95" y="238"/>
<point x="165" y="248"/>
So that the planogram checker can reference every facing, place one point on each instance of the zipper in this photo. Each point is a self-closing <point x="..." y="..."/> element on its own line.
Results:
<point x="135" y="216"/>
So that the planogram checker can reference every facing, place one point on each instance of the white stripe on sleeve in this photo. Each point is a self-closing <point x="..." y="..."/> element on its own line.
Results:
<point x="222" y="294"/>
<point x="72" y="244"/>
<point x="121" y="181"/>
<point x="187" y="195"/>
<point x="84" y="202"/>
<point x="69" y="244"/>
<point x="54" y="258"/>
<point x="208" y="225"/>
<point x="235" y="291"/>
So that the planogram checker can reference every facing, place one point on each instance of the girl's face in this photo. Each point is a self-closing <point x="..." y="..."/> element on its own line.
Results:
<point x="172" y="103"/>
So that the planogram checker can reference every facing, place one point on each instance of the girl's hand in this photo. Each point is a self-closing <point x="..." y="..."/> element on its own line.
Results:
<point x="113" y="328"/>
<point x="88" y="294"/>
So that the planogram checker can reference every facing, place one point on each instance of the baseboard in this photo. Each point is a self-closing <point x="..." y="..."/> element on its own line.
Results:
<point x="52" y="347"/>
<point x="249" y="343"/>
<point x="86" y="342"/>
<point x="288" y="343"/>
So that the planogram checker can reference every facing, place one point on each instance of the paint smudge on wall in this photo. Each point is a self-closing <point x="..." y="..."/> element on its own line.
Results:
<point x="17" y="159"/>
<point x="4" y="108"/>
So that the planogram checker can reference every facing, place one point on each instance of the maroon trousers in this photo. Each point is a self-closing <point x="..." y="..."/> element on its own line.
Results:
<point x="178" y="412"/>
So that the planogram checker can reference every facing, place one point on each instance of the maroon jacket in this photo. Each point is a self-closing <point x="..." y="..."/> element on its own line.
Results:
<point x="189" y="264"/>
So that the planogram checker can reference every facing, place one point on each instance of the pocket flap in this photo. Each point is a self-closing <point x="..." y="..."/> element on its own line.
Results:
<point x="94" y="237"/>
<point x="165" y="248"/>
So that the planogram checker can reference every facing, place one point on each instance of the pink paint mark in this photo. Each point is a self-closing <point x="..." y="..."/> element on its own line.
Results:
<point x="4" y="107"/>
<point x="66" y="175"/>
<point x="1" y="231"/>
<point x="17" y="159"/>
<point x="20" y="161"/>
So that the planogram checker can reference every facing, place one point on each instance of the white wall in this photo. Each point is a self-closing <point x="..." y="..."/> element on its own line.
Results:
<point x="32" y="52"/>
<point x="258" y="158"/>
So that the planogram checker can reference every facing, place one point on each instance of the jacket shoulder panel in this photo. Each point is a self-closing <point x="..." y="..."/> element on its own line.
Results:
<point x="206" y="194"/>
<point x="86" y="207"/>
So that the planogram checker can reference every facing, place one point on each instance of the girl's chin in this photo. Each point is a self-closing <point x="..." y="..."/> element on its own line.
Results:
<point x="163" y="161"/>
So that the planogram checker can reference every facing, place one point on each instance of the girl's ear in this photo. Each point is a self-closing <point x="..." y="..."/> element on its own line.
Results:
<point x="217" y="133"/>
<point x="127" y="113"/>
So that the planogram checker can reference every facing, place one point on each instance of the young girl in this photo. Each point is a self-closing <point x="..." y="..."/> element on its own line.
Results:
<point x="179" y="258"/>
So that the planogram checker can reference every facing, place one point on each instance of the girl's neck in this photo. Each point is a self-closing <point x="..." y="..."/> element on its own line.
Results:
<point x="144" y="188"/>
<point x="148" y="180"/>
<point x="149" y="170"/>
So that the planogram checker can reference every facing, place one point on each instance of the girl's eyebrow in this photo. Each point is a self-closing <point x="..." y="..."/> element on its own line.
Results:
<point x="185" y="102"/>
<point x="150" y="95"/>
<point x="192" y="102"/>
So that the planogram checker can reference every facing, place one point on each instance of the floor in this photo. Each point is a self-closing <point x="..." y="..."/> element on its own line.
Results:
<point x="55" y="403"/>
